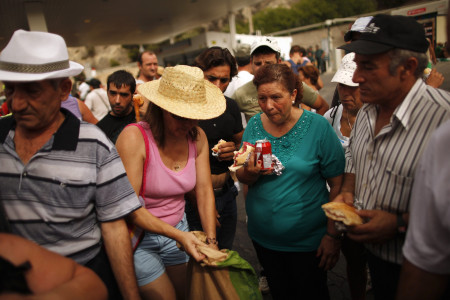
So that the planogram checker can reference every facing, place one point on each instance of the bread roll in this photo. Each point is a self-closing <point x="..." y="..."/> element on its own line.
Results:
<point x="339" y="211"/>
<point x="241" y="156"/>
<point x="215" y="149"/>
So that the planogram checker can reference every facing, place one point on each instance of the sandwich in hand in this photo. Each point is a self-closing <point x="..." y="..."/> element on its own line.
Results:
<point x="241" y="156"/>
<point x="339" y="211"/>
<point x="215" y="149"/>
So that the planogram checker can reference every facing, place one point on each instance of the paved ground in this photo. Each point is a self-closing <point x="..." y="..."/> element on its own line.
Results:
<point x="337" y="283"/>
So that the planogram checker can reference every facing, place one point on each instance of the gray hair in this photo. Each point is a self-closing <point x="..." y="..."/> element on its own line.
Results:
<point x="399" y="57"/>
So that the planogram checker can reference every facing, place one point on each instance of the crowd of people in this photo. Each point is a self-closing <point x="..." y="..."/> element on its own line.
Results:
<point x="100" y="191"/>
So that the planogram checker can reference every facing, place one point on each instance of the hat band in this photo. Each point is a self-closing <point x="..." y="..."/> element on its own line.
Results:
<point x="35" y="69"/>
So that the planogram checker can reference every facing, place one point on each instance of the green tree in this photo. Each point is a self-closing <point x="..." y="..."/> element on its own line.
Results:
<point x="305" y="12"/>
<point x="275" y="19"/>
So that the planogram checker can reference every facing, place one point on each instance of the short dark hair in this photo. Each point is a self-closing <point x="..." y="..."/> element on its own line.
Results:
<point x="282" y="74"/>
<point x="95" y="83"/>
<point x="122" y="78"/>
<point x="297" y="48"/>
<point x="265" y="50"/>
<point x="243" y="60"/>
<point x="142" y="53"/>
<point x="215" y="57"/>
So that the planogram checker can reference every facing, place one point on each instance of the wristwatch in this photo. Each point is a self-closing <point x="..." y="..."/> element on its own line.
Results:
<point x="339" y="236"/>
<point x="401" y="224"/>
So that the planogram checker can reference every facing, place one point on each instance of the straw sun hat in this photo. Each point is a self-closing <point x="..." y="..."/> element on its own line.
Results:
<point x="183" y="91"/>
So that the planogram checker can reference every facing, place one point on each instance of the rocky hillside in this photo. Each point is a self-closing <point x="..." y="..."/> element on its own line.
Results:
<point x="103" y="57"/>
<point x="99" y="57"/>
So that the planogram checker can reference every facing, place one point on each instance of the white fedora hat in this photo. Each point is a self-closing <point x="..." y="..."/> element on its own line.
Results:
<point x="183" y="91"/>
<point x="345" y="72"/>
<point x="33" y="56"/>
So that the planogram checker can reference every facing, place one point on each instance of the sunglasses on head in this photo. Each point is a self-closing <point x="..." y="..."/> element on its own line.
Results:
<point x="123" y="95"/>
<point x="214" y="78"/>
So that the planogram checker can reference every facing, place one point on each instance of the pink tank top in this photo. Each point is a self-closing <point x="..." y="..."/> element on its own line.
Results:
<point x="165" y="188"/>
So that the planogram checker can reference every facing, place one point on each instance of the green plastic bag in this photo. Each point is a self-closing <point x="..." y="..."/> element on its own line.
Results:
<point x="231" y="278"/>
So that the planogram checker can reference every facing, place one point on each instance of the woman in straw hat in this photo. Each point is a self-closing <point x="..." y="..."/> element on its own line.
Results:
<point x="166" y="156"/>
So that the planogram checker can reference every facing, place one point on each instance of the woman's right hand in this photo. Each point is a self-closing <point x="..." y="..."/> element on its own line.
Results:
<point x="189" y="242"/>
<point x="250" y="173"/>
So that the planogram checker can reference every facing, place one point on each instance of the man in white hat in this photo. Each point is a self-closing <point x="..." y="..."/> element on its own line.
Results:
<point x="63" y="183"/>
<point x="266" y="51"/>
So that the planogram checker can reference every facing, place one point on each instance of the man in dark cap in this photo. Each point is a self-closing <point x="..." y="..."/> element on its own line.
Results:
<point x="388" y="138"/>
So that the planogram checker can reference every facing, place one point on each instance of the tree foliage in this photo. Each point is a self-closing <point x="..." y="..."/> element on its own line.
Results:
<point x="305" y="12"/>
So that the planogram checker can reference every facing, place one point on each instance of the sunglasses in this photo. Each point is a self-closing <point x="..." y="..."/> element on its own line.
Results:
<point x="123" y="95"/>
<point x="223" y="80"/>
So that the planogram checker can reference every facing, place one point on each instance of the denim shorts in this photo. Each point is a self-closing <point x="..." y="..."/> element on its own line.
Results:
<point x="155" y="252"/>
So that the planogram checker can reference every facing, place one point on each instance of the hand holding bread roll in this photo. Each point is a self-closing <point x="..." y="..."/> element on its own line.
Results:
<point x="339" y="211"/>
<point x="215" y="149"/>
<point x="241" y="156"/>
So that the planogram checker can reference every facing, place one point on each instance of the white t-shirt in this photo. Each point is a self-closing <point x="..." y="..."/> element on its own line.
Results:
<point x="427" y="244"/>
<point x="239" y="80"/>
<point x="83" y="88"/>
<point x="97" y="101"/>
<point x="335" y="122"/>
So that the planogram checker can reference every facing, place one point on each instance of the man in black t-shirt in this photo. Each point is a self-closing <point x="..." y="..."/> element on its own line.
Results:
<point x="121" y="87"/>
<point x="219" y="66"/>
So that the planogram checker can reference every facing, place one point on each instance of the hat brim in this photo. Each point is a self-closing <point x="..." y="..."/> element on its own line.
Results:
<point x="73" y="70"/>
<point x="366" y="47"/>
<point x="340" y="78"/>
<point x="213" y="106"/>
<point x="268" y="45"/>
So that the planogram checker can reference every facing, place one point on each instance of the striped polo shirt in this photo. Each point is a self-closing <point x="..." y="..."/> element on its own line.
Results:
<point x="384" y="165"/>
<point x="74" y="182"/>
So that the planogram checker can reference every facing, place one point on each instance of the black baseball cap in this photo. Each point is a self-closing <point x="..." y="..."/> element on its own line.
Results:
<point x="385" y="32"/>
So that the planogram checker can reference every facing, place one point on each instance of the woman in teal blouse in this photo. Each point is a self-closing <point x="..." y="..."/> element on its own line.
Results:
<point x="289" y="230"/>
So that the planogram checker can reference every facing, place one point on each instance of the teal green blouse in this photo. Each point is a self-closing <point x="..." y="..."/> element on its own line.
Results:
<point x="284" y="212"/>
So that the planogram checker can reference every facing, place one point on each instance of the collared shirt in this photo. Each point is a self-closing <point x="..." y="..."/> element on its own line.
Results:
<point x="75" y="181"/>
<point x="385" y="164"/>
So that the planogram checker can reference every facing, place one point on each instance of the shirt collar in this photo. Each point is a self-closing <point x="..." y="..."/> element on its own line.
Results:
<point x="403" y="112"/>
<point x="65" y="138"/>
